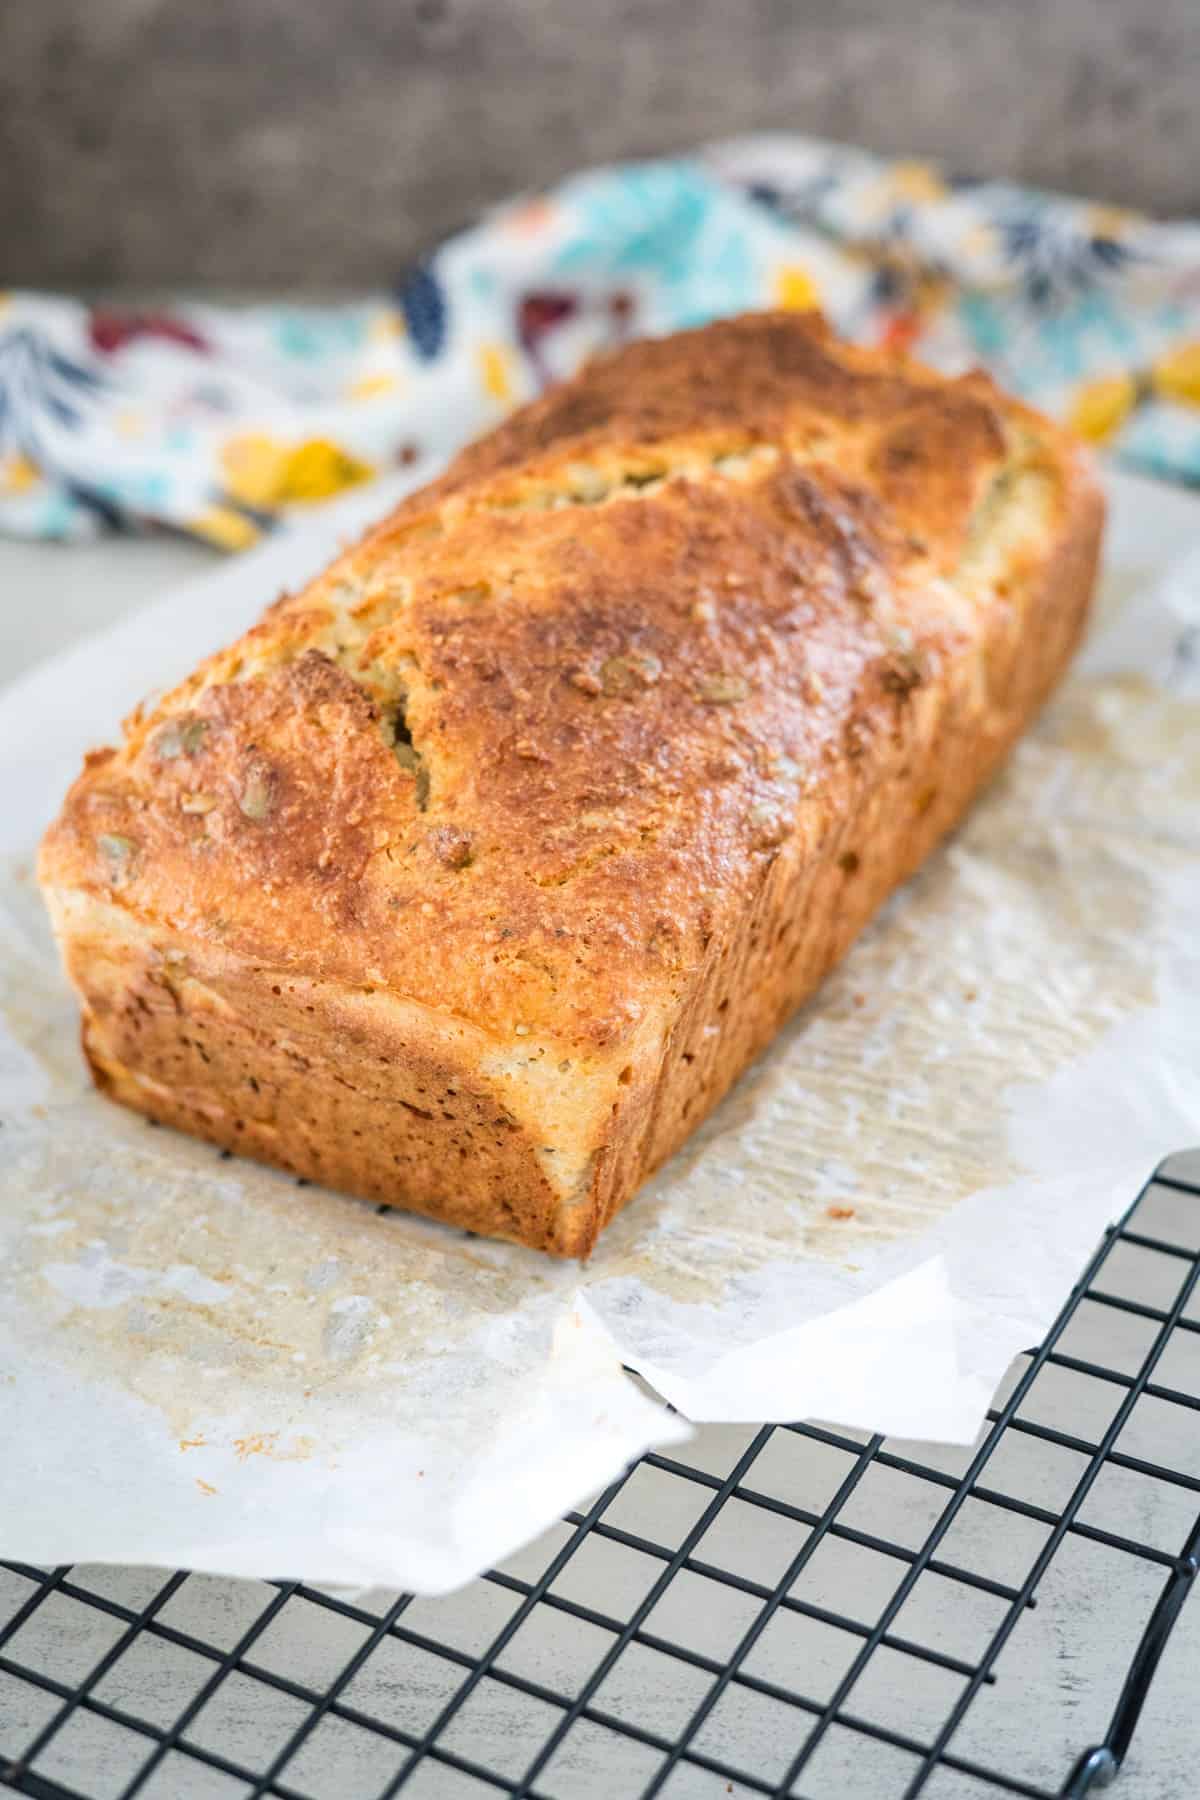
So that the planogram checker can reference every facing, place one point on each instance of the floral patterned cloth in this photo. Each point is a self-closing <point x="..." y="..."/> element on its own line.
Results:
<point x="218" y="421"/>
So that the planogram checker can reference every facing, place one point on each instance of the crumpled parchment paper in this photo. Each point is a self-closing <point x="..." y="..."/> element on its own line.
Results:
<point x="203" y="1364"/>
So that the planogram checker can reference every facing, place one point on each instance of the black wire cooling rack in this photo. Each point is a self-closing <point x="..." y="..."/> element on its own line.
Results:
<point x="792" y="1611"/>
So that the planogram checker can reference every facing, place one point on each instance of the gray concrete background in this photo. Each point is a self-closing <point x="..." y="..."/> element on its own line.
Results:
<point x="255" y="143"/>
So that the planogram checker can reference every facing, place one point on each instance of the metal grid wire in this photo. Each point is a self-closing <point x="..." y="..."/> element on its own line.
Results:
<point x="397" y="1694"/>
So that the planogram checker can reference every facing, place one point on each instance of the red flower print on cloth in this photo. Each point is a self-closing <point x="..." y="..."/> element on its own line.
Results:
<point x="110" y="331"/>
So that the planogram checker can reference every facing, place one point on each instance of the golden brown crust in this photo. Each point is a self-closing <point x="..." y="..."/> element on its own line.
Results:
<point x="616" y="734"/>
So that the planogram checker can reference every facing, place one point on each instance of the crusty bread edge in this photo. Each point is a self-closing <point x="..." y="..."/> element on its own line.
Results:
<point x="363" y="1092"/>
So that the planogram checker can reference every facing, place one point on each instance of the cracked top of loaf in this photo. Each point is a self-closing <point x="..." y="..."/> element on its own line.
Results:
<point x="522" y="751"/>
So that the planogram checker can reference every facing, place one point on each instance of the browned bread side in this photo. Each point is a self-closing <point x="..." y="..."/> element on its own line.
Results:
<point x="473" y="876"/>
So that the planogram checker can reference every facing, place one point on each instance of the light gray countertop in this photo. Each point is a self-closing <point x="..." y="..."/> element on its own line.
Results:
<point x="1064" y="1664"/>
<point x="51" y="594"/>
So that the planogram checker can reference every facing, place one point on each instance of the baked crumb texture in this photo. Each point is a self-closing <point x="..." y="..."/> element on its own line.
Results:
<point x="472" y="877"/>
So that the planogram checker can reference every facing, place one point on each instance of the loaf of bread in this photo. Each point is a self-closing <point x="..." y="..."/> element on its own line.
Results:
<point x="471" y="878"/>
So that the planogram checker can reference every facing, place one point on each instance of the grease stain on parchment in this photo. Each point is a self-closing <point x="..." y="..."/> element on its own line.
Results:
<point x="190" y="1280"/>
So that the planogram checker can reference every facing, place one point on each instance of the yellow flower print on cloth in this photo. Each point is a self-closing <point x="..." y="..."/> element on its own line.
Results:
<point x="1100" y="408"/>
<point x="265" y="474"/>
<point x="795" y="289"/>
<point x="918" y="183"/>
<point x="495" y="372"/>
<point x="18" y="474"/>
<point x="372" y="387"/>
<point x="1176" y="376"/>
<point x="225" y="528"/>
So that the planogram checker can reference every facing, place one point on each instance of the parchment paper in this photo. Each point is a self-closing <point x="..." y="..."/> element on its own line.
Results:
<point x="202" y="1363"/>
